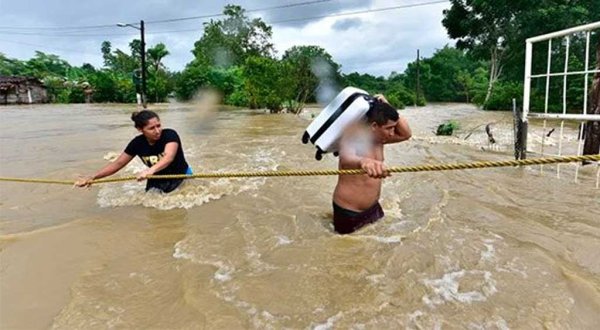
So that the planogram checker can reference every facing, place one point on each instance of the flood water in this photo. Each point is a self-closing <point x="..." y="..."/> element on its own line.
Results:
<point x="476" y="249"/>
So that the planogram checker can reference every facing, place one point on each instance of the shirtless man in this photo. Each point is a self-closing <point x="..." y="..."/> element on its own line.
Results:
<point x="356" y="197"/>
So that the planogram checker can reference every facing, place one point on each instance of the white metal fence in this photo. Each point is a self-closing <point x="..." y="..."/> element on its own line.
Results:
<point x="579" y="116"/>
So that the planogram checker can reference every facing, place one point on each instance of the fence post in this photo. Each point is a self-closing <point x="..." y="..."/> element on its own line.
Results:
<point x="519" y="133"/>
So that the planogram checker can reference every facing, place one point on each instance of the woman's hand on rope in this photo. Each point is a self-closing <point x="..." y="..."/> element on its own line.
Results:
<point x="83" y="182"/>
<point x="143" y="175"/>
<point x="374" y="168"/>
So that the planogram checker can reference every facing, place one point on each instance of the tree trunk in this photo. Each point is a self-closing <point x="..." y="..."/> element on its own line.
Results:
<point x="592" y="128"/>
<point x="494" y="73"/>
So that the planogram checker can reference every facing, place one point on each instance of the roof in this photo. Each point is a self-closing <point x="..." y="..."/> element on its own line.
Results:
<point x="18" y="79"/>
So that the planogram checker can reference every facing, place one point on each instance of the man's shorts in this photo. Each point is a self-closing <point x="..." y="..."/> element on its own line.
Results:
<point x="347" y="221"/>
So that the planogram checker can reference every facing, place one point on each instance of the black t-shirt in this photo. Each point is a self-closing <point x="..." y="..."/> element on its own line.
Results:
<point x="151" y="154"/>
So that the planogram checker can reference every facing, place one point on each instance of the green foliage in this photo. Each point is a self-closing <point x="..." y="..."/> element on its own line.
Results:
<point x="191" y="79"/>
<point x="232" y="40"/>
<point x="399" y="96"/>
<point x="495" y="32"/>
<point x="10" y="66"/>
<point x="447" y="128"/>
<point x="198" y="75"/>
<point x="293" y="106"/>
<point x="393" y="88"/>
<point x="480" y="85"/>
<point x="235" y="56"/>
<point x="304" y="63"/>
<point x="504" y="92"/>
<point x="365" y="81"/>
<point x="264" y="79"/>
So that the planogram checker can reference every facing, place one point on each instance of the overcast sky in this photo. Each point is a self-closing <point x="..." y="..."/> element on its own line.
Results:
<point x="377" y="42"/>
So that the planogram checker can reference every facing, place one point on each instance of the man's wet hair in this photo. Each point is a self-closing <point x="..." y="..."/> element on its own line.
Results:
<point x="141" y="118"/>
<point x="381" y="112"/>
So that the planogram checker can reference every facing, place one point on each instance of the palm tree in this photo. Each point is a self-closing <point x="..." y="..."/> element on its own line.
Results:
<point x="156" y="54"/>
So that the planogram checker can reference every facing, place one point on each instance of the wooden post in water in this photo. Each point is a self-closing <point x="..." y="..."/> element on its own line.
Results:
<point x="520" y="133"/>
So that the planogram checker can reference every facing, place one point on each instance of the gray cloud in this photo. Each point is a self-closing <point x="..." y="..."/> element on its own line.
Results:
<point x="346" y="24"/>
<point x="293" y="17"/>
<point x="386" y="40"/>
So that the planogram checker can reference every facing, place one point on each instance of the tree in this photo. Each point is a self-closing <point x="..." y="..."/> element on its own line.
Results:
<point x="230" y="41"/>
<point x="366" y="81"/>
<point x="466" y="83"/>
<point x="43" y="65"/>
<point x="158" y="77"/>
<point x="482" y="26"/>
<point x="107" y="53"/>
<point x="309" y="67"/>
<point x="266" y="82"/>
<point x="191" y="79"/>
<point x="495" y="31"/>
<point x="156" y="54"/>
<point x="10" y="66"/>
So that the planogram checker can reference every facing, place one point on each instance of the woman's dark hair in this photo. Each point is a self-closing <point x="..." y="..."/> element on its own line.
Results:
<point x="381" y="112"/>
<point x="141" y="118"/>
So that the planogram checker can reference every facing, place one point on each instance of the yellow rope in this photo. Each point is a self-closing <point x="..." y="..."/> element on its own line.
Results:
<point x="402" y="169"/>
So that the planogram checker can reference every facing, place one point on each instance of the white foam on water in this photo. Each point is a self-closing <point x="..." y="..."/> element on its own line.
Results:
<point x="489" y="254"/>
<point x="329" y="323"/>
<point x="283" y="240"/>
<point x="224" y="269"/>
<point x="446" y="289"/>
<point x="513" y="266"/>
<point x="180" y="254"/>
<point x="191" y="193"/>
<point x="375" y="278"/>
<point x="223" y="273"/>
<point x="413" y="319"/>
<point x="144" y="278"/>
<point x="393" y="239"/>
<point x="497" y="323"/>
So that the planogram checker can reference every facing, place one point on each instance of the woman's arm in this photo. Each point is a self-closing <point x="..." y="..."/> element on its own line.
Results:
<point x="107" y="170"/>
<point x="166" y="160"/>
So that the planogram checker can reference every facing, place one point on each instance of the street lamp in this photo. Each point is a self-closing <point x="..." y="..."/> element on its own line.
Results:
<point x="143" y="54"/>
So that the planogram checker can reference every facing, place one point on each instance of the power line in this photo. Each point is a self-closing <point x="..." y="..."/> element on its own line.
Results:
<point x="248" y="11"/>
<point x="325" y="16"/>
<point x="48" y="48"/>
<point x="361" y="11"/>
<point x="57" y="28"/>
<point x="305" y="3"/>
<point x="73" y="34"/>
<point x="271" y="22"/>
<point x="66" y="35"/>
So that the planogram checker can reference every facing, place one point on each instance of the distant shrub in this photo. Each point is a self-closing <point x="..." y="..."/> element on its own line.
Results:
<point x="447" y="128"/>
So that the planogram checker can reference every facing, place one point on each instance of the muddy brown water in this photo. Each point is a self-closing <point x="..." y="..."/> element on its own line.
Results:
<point x="478" y="249"/>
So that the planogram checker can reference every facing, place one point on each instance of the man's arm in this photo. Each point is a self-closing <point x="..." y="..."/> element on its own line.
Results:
<point x="350" y="159"/>
<point x="402" y="131"/>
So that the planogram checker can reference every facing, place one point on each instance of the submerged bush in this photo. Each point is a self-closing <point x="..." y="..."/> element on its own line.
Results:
<point x="447" y="128"/>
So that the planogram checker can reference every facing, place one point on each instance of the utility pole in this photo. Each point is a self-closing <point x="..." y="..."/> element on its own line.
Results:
<point x="144" y="91"/>
<point x="142" y="54"/>
<point x="417" y="86"/>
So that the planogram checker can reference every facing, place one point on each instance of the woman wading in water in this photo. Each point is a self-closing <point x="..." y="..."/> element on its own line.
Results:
<point x="160" y="149"/>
